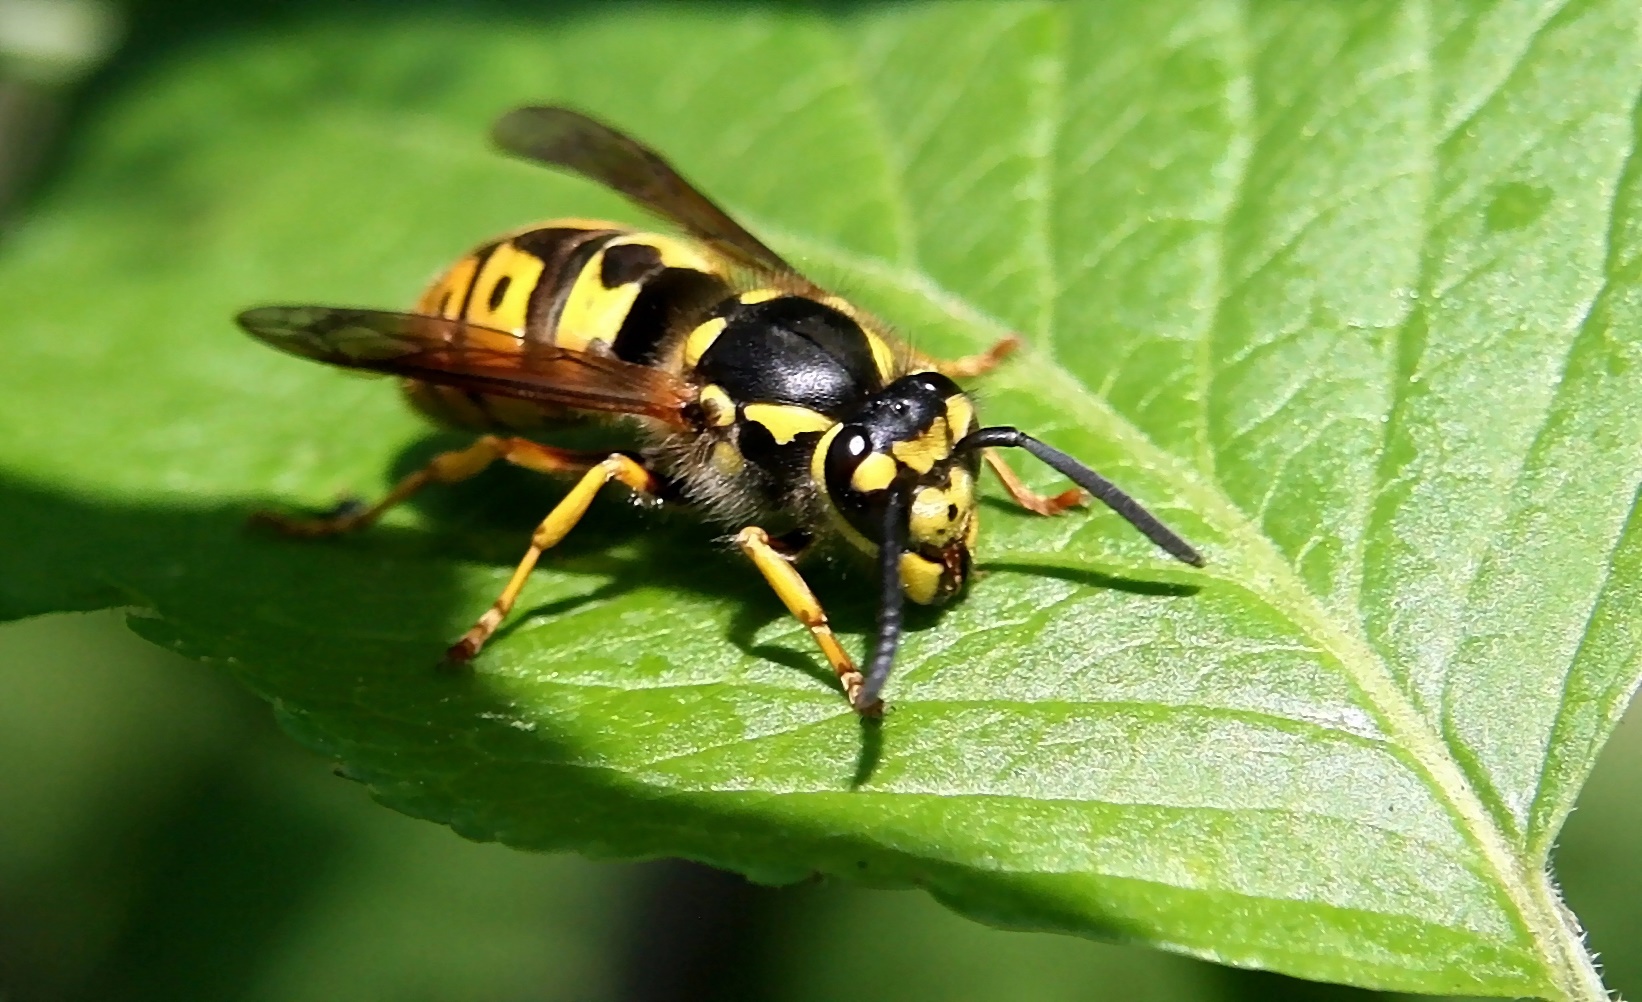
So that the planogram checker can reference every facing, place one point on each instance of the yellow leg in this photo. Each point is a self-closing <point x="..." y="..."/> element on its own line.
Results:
<point x="554" y="527"/>
<point x="973" y="365"/>
<point x="1026" y="497"/>
<point x="795" y="594"/>
<point x="445" y="468"/>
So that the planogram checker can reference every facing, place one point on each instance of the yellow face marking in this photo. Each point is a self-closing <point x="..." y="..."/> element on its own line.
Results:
<point x="727" y="459"/>
<point x="701" y="339"/>
<point x="876" y="472"/>
<point x="923" y="452"/>
<point x="920" y="578"/>
<point x="717" y="406"/>
<point x="786" y="422"/>
<point x="501" y="293"/>
<point x="960" y="416"/>
<point x="759" y="296"/>
<point x="939" y="515"/>
<point x="444" y="297"/>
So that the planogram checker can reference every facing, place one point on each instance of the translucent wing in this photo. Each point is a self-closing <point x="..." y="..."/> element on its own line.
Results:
<point x="456" y="353"/>
<point x="560" y="137"/>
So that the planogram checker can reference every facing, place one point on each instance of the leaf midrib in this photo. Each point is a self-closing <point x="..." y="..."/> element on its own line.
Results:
<point x="1538" y="911"/>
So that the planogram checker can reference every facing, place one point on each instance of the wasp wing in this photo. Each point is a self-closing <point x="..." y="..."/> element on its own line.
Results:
<point x="561" y="137"/>
<point x="455" y="353"/>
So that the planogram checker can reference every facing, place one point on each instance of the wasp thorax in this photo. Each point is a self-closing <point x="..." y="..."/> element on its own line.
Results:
<point x="902" y="439"/>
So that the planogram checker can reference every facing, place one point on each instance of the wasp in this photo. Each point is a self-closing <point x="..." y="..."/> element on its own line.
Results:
<point x="740" y="389"/>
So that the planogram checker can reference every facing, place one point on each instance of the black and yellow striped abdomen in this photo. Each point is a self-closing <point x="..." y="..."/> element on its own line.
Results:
<point x="582" y="284"/>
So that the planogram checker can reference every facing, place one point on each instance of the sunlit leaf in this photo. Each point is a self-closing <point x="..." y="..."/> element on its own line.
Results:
<point x="1349" y="293"/>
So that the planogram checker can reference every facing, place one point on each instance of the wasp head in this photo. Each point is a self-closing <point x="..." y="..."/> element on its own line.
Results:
<point x="901" y="441"/>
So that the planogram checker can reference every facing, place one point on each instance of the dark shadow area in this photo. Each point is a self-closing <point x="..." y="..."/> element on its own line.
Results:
<point x="491" y="518"/>
<point x="1091" y="578"/>
<point x="872" y="750"/>
<point x="344" y="634"/>
<point x="199" y="891"/>
<point x="699" y="935"/>
<point x="226" y="859"/>
<point x="29" y="116"/>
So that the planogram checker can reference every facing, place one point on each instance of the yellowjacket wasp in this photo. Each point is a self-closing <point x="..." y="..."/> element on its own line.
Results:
<point x="748" y="393"/>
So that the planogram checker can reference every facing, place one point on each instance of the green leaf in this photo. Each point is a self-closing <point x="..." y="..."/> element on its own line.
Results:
<point x="1348" y="293"/>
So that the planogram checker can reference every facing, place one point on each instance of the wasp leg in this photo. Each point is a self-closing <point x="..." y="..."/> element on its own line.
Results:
<point x="973" y="365"/>
<point x="445" y="468"/>
<point x="1026" y="497"/>
<point x="777" y="568"/>
<point x="553" y="528"/>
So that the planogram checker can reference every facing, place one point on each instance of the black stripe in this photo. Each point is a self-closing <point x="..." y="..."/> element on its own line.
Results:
<point x="626" y="263"/>
<point x="480" y="257"/>
<point x="564" y="254"/>
<point x="671" y="302"/>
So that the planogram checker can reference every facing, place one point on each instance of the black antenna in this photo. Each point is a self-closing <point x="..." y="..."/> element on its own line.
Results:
<point x="890" y="597"/>
<point x="1132" y="510"/>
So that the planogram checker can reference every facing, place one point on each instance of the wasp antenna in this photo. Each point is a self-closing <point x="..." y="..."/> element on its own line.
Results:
<point x="1132" y="511"/>
<point x="890" y="598"/>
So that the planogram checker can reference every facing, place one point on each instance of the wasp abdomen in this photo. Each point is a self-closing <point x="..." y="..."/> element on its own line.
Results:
<point x="578" y="284"/>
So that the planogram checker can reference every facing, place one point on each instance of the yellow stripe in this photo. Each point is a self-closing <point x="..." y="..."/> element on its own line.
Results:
<point x="592" y="312"/>
<point x="675" y="253"/>
<point x="786" y="422"/>
<point x="448" y="290"/>
<point x="701" y="339"/>
<point x="760" y="296"/>
<point x="818" y="462"/>
<point x="522" y="270"/>
<point x="882" y="355"/>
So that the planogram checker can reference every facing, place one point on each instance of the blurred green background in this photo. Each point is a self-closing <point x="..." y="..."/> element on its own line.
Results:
<point x="161" y="839"/>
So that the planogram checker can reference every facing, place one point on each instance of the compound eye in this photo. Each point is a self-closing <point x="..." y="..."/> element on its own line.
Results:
<point x="852" y="444"/>
<point x="848" y="449"/>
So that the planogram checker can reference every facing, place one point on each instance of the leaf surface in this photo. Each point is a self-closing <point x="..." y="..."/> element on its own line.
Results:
<point x="1348" y="294"/>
